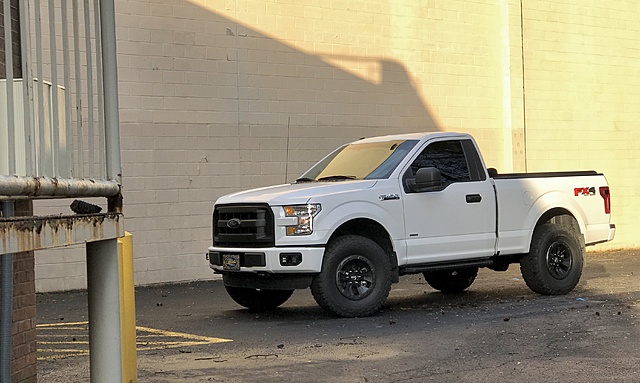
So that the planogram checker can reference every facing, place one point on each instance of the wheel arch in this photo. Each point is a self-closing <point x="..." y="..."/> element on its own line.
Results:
<point x="563" y="217"/>
<point x="556" y="204"/>
<point x="373" y="230"/>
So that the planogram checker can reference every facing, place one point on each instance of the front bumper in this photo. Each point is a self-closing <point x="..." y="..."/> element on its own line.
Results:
<point x="269" y="260"/>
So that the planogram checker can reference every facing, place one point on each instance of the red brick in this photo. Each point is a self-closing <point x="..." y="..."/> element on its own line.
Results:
<point x="20" y="350"/>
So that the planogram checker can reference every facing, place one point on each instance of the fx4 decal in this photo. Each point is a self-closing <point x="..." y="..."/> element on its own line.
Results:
<point x="584" y="191"/>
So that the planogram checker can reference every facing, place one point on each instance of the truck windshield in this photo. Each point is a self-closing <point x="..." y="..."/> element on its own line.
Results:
<point x="371" y="160"/>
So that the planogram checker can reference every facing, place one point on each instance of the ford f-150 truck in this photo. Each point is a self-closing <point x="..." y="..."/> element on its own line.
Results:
<point x="379" y="208"/>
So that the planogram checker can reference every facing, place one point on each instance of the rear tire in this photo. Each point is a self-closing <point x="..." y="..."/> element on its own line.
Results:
<point x="555" y="260"/>
<point x="355" y="279"/>
<point x="451" y="281"/>
<point x="258" y="300"/>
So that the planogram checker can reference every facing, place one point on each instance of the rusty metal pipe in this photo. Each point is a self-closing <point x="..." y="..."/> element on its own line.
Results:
<point x="56" y="187"/>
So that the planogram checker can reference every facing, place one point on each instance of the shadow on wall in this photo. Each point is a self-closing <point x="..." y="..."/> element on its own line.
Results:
<point x="287" y="108"/>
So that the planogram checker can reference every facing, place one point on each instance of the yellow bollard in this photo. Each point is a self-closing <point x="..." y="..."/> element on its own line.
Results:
<point x="127" y="309"/>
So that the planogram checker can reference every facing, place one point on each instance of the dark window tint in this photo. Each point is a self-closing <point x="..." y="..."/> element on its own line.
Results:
<point x="446" y="156"/>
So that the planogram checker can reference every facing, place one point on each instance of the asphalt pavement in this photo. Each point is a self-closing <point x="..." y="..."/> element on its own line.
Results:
<point x="497" y="331"/>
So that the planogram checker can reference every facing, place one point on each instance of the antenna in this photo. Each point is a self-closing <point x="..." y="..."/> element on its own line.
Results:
<point x="286" y="164"/>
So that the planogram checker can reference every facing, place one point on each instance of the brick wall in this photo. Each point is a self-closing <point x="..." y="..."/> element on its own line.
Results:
<point x="23" y="350"/>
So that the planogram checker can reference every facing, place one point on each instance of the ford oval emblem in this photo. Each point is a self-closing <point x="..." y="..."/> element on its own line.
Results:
<point x="234" y="223"/>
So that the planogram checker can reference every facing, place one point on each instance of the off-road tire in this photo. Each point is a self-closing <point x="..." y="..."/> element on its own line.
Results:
<point x="258" y="300"/>
<point x="554" y="263"/>
<point x="451" y="281"/>
<point x="355" y="279"/>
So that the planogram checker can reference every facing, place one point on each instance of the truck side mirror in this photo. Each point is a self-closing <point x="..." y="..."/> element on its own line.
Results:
<point x="427" y="179"/>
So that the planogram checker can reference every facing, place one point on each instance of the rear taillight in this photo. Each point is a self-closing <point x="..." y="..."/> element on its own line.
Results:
<point x="606" y="195"/>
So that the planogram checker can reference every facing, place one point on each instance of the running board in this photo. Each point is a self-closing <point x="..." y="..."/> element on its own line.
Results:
<point x="491" y="263"/>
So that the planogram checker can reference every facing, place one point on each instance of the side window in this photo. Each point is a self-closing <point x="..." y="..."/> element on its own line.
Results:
<point x="446" y="156"/>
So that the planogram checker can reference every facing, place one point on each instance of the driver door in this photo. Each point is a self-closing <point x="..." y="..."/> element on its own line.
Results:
<point x="457" y="220"/>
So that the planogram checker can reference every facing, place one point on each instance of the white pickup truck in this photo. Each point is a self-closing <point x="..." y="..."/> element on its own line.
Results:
<point x="379" y="208"/>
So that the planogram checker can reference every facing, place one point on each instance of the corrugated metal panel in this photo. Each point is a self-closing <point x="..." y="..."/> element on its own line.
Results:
<point x="60" y="125"/>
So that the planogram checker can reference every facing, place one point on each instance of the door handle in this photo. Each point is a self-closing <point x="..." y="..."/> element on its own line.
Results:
<point x="473" y="198"/>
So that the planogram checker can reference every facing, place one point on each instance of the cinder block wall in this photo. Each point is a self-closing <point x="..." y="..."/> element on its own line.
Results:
<point x="582" y="95"/>
<point x="218" y="96"/>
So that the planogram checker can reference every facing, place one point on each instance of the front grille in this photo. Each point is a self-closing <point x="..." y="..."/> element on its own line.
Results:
<point x="243" y="226"/>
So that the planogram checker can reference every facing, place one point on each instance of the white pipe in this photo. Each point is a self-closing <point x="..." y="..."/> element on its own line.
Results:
<point x="110" y="80"/>
<point x="56" y="187"/>
<point x="103" y="288"/>
<point x="8" y="46"/>
<point x="89" y="83"/>
<point x="55" y="119"/>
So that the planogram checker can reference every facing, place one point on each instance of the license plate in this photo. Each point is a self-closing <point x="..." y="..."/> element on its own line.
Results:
<point x="231" y="261"/>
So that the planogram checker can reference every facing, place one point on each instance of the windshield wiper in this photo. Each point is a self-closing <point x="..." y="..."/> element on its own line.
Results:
<point x="304" y="179"/>
<point x="337" y="178"/>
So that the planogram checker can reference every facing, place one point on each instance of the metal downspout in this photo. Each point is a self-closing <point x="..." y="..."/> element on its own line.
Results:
<point x="5" y="312"/>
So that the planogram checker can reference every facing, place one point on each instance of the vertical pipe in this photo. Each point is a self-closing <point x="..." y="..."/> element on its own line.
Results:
<point x="505" y="61"/>
<point x="8" y="53"/>
<point x="27" y="90"/>
<point x="6" y="318"/>
<point x="55" y="121"/>
<point x="76" y="50"/>
<point x="67" y="90"/>
<point x="103" y="288"/>
<point x="99" y="82"/>
<point x="40" y="170"/>
<point x="110" y="76"/>
<point x="90" y="122"/>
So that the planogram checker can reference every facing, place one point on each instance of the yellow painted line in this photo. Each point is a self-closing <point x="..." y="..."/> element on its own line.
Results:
<point x="148" y="339"/>
<point x="62" y="324"/>
<point x="63" y="355"/>
<point x="49" y="335"/>
<point x="200" y="338"/>
<point x="183" y="335"/>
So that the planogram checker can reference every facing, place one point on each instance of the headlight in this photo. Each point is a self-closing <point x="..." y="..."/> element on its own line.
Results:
<point x="305" y="214"/>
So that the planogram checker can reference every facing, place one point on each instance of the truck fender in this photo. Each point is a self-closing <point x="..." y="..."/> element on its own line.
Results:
<point x="553" y="201"/>
<point x="389" y="219"/>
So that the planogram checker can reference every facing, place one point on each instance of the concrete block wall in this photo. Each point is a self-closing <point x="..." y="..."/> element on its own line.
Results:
<point x="582" y="91"/>
<point x="218" y="96"/>
<point x="221" y="96"/>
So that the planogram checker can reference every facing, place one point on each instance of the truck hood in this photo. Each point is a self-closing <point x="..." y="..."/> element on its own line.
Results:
<point x="292" y="194"/>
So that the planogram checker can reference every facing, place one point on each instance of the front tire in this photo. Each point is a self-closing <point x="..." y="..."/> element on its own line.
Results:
<point x="258" y="300"/>
<point x="554" y="263"/>
<point x="355" y="279"/>
<point x="451" y="281"/>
